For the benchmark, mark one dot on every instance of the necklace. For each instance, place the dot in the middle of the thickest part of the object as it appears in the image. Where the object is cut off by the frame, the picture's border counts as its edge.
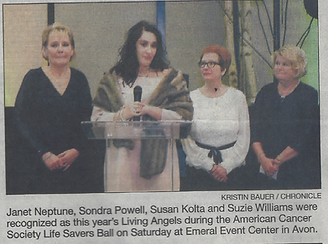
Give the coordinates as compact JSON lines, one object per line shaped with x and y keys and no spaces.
{"x":283,"y":91}
{"x":215,"y":92}
{"x":144,"y":74}
{"x":59,"y":84}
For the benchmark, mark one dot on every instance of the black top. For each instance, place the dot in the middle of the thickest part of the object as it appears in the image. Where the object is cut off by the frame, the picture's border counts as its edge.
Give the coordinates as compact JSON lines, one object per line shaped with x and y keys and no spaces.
{"x":279,"y":122}
{"x":48,"y":120}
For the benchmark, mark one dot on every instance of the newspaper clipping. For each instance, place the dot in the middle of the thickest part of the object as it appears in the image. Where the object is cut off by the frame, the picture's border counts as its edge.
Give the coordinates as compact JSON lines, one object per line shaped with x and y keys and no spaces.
{"x":164,"y":122}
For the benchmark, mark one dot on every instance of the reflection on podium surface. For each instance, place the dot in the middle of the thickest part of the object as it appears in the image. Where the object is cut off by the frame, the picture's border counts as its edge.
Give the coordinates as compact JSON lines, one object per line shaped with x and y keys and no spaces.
{"x":136,"y":129}
{"x":140,"y":155}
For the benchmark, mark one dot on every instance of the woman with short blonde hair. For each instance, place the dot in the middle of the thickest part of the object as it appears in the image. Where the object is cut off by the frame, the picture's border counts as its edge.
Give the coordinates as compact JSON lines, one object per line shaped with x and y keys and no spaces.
{"x":285,"y":124}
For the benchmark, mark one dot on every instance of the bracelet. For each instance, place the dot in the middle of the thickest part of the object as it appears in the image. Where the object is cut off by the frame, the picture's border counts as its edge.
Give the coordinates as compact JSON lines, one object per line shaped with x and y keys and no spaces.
{"x":47,"y":156}
{"x":122,"y":115}
{"x":258,"y":155}
{"x":119,"y":115}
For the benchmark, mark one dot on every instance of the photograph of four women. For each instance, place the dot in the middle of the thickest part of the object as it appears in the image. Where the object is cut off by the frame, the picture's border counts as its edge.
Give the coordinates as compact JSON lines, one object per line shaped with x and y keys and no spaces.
{"x":271,"y":144}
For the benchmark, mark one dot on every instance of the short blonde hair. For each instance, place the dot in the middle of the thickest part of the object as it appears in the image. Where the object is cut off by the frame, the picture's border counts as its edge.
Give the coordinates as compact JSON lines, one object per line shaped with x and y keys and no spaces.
{"x":56,"y":27}
{"x":296,"y":57}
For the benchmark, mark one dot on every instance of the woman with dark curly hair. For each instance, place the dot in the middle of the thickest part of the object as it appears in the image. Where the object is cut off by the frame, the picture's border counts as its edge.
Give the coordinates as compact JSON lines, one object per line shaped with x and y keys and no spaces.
{"x":135,"y":165}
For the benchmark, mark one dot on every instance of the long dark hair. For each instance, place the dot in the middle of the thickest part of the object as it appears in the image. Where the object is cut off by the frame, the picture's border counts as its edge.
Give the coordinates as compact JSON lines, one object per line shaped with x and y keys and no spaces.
{"x":128,"y":65}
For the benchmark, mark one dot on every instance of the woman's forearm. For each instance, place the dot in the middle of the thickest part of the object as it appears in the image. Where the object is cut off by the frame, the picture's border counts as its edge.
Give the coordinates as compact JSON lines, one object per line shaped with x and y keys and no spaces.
{"x":257,"y":147}
{"x":152,"y":111}
{"x":287,"y":154}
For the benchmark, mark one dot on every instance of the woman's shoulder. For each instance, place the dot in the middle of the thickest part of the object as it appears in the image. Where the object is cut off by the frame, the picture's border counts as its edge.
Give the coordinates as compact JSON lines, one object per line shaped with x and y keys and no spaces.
{"x":306,"y":93}
{"x":270,"y":86}
{"x":33,"y":75}
{"x":33,"y":78}
{"x":109,"y":80}
{"x":34,"y":71}
{"x":195,"y":93}
{"x":78,"y":77}
{"x":76,"y":72}
{"x":235,"y":92}
{"x":269,"y":89}
{"x":307,"y":88}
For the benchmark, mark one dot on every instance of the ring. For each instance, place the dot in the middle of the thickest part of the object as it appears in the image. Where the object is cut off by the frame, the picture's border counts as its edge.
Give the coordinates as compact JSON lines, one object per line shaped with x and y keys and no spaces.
{"x":64,"y":163}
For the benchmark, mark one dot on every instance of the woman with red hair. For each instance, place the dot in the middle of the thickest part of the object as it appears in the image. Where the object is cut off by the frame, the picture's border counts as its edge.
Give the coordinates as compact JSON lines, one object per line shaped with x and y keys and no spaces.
{"x":220,"y":134}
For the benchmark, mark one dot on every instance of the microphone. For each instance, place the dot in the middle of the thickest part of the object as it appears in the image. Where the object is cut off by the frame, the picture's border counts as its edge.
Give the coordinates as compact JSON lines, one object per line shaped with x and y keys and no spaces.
{"x":137,"y":92}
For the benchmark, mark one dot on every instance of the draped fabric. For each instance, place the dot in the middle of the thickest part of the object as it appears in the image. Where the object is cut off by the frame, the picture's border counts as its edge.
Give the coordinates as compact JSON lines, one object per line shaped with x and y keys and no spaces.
{"x":170,"y":94}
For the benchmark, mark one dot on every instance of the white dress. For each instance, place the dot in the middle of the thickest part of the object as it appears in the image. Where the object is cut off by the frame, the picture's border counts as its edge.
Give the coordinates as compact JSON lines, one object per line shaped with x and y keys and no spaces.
{"x":122,"y":165}
{"x":217,"y":122}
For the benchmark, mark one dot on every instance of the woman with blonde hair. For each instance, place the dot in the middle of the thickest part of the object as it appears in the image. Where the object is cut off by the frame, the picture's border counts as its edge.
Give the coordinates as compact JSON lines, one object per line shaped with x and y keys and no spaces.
{"x":286,"y":122}
{"x":50,"y":105}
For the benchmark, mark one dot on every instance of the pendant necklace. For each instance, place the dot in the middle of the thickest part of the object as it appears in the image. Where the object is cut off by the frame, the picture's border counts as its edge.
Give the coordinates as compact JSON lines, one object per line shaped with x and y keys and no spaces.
{"x":287,"y":91}
{"x":59,"y":84}
{"x":146,"y":74}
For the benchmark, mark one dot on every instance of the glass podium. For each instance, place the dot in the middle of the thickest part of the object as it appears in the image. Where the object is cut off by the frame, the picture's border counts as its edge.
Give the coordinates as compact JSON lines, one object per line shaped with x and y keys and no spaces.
{"x":151,"y":143}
